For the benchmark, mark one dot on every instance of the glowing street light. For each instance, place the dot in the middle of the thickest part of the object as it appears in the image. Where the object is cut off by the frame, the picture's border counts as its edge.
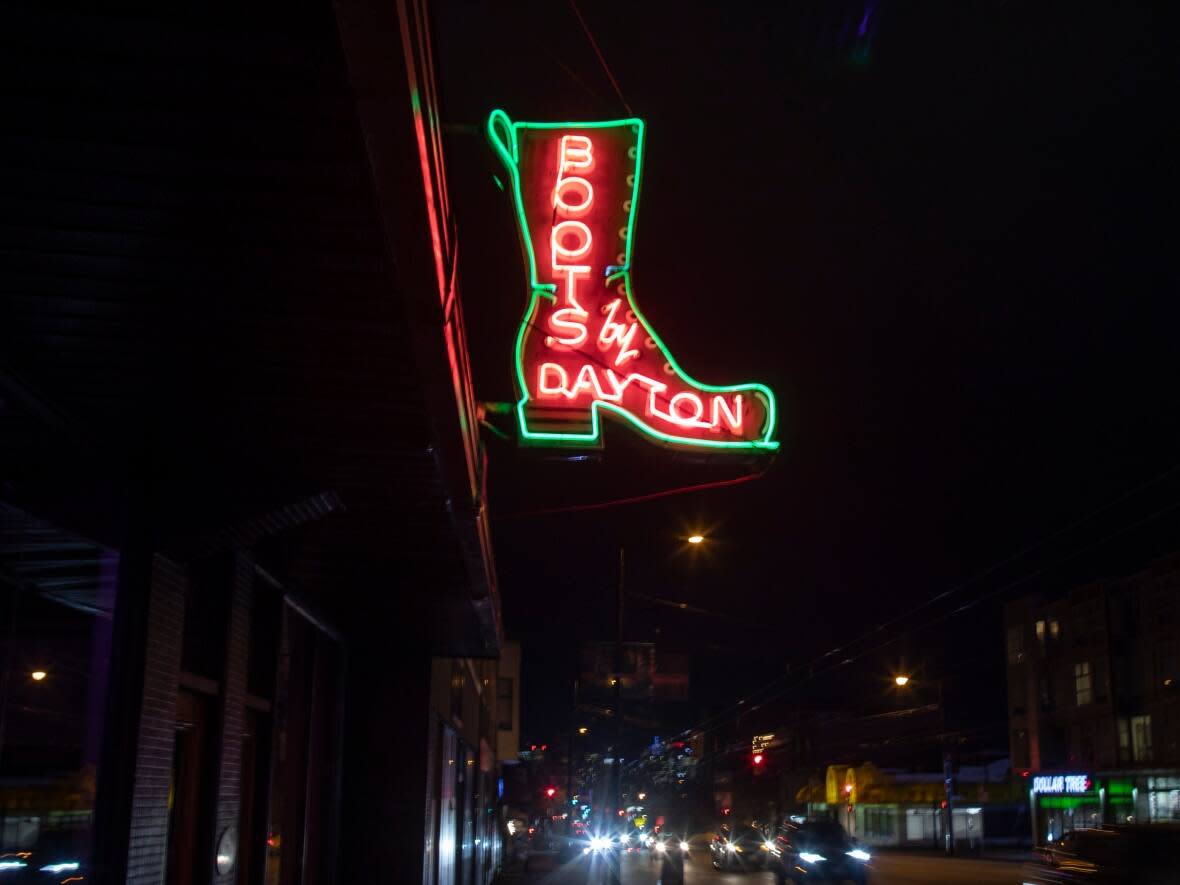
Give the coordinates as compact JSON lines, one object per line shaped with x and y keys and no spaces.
{"x":901,"y":680}
{"x":583,"y":729}
{"x":695,"y":539}
{"x":38,"y":675}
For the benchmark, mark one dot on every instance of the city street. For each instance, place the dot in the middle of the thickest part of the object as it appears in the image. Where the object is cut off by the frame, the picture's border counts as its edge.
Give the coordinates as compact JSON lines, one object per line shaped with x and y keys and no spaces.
{"x":890,"y":869}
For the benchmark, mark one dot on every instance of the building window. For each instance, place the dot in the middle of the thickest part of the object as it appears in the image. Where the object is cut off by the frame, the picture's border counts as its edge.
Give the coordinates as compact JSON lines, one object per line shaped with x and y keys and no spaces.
{"x":1041,"y":634}
{"x":1141,"y":738}
{"x":1054,"y":630}
{"x":504,"y":703}
{"x":1015,"y":645}
{"x":1083,"y":682}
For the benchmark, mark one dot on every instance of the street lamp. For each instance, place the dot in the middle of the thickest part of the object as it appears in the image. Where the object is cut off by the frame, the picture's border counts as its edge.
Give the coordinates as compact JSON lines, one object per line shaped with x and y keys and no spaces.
{"x":695,"y":539}
{"x":901,"y":681}
{"x":38,"y":675}
{"x":582,"y":729}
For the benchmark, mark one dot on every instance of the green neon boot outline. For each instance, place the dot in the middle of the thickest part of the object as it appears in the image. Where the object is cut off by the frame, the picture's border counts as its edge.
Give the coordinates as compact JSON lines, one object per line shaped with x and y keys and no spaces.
{"x":502,"y":134}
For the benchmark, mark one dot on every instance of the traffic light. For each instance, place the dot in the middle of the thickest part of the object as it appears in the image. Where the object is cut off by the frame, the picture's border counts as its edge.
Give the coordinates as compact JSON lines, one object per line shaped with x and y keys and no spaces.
{"x":758,"y":759}
{"x":758,"y":763}
{"x":551,"y":792}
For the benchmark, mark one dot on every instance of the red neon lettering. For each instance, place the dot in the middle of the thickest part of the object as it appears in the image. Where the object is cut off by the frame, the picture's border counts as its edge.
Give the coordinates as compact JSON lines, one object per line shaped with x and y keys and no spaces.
{"x":545,"y":386}
{"x":570,"y":320}
{"x":732,"y":417}
{"x":559,"y":240}
{"x":685,"y":408}
{"x":695,"y":404}
{"x":577,"y":152}
{"x":618,"y":334}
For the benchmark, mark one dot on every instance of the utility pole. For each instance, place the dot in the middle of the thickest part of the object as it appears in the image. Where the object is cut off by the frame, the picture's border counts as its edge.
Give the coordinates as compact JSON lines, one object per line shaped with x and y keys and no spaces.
{"x":569,"y":765}
{"x":948,"y":779}
{"x":617,"y":792}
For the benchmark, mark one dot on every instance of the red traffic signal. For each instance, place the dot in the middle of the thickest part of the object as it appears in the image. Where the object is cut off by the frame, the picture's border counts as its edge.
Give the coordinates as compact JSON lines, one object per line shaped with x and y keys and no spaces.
{"x":551,"y":792}
{"x":758,"y":759}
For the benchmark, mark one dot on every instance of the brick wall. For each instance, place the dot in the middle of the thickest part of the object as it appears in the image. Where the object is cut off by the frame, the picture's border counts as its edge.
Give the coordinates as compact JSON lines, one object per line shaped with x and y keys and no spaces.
{"x":233,"y":696}
{"x":147,"y":849}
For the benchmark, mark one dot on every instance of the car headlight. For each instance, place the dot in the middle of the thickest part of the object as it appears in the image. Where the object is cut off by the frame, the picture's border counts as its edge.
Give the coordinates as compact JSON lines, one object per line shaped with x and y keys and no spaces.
{"x":598,"y":843}
{"x":808,"y":857}
{"x":767,"y":845}
{"x":661,"y":847}
{"x":858,"y":854}
{"x":730,"y":847}
{"x":684,"y":846}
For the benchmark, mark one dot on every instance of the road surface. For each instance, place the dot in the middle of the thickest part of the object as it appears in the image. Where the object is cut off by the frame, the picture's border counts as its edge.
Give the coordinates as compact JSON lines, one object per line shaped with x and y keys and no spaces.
{"x":888,"y":869}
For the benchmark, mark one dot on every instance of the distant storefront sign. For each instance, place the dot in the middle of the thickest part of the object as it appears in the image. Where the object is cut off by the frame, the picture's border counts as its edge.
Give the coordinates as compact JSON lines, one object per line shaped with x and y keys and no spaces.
{"x":1059,"y":784}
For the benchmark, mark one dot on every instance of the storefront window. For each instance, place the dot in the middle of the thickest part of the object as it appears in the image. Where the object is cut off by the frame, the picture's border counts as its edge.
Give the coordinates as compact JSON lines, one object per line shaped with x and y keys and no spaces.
{"x":57,"y":599}
{"x":880,"y":823}
{"x":1163,"y":799}
{"x":1059,"y":815}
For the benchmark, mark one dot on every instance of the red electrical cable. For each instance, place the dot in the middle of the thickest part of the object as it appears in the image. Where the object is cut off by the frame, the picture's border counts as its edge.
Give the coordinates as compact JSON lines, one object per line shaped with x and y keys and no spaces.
{"x":637,"y":499}
{"x":601,"y":58}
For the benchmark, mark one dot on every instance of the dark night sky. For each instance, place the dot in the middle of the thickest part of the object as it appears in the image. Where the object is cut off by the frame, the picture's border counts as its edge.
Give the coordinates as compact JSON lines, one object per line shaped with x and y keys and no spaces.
{"x":942,"y":232}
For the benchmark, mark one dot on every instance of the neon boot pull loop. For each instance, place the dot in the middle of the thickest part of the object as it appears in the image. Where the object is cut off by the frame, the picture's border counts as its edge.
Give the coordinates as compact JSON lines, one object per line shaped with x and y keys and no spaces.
{"x":584,"y":348}
{"x":505,"y":143}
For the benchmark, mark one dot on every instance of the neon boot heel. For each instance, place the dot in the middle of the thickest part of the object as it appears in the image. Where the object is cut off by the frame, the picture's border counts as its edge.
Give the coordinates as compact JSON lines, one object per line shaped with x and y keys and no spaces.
{"x":584,"y":349}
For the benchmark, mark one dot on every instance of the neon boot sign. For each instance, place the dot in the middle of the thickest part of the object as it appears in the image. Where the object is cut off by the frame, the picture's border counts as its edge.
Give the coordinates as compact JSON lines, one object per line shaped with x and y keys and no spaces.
{"x":584,"y":348}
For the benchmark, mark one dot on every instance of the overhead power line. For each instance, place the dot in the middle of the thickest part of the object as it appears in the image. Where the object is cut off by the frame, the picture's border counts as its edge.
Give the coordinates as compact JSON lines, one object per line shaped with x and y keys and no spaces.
{"x":745,"y":706}
{"x":601,"y":59}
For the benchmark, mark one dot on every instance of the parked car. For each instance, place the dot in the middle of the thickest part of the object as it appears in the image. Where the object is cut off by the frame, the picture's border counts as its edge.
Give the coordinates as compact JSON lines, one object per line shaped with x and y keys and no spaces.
{"x":1110,"y":855}
{"x":818,"y":851}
